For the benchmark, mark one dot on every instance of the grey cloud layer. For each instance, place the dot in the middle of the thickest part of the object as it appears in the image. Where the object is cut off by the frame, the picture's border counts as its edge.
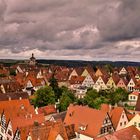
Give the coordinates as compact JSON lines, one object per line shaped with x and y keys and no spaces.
{"x":87,"y":27}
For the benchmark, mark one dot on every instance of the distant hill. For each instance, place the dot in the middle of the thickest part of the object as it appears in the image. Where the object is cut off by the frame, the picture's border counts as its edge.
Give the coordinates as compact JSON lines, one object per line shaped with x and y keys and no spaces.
{"x":74,"y":63}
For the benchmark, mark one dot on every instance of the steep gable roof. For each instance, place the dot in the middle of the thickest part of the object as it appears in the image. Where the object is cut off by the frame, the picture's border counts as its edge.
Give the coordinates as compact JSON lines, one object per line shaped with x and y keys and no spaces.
{"x":20,"y":113}
{"x":46,"y":110}
{"x":76,"y":79}
{"x":115,"y":115}
{"x":90,"y":118}
{"x":13,"y":96}
{"x":45,"y":131}
{"x":124,"y":81}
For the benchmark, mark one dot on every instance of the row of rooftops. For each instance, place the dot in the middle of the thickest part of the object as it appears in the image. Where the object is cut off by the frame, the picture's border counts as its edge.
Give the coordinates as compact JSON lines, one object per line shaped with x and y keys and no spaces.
{"x":39,"y":76}
{"x":24,"y":118}
{"x":91,"y":121}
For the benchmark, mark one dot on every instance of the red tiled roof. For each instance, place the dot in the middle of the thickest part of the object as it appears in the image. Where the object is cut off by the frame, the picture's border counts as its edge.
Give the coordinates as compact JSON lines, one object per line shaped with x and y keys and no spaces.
{"x":90,"y":118}
{"x":129,"y":133}
{"x":20,"y":112}
{"x":115,"y":115}
{"x":62,"y":76}
{"x":135,"y":93}
{"x":45,"y":131}
{"x":46,"y":110}
{"x":76,"y":79}
{"x":115,"y":78}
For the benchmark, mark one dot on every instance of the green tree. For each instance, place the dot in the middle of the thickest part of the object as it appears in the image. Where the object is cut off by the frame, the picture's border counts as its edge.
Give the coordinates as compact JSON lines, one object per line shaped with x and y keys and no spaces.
{"x":98,"y":101}
{"x":13,"y":72}
{"x":80,"y":101}
{"x":44,"y":96}
{"x":109,"y":68}
{"x":90,"y":96}
{"x":94,"y":99}
{"x":118,"y":95}
{"x":66,"y":98}
{"x":2,"y":75}
{"x":54,"y":84}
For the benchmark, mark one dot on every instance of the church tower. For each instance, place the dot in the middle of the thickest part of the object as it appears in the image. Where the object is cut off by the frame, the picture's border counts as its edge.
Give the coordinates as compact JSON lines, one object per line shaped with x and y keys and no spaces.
{"x":32,"y":60}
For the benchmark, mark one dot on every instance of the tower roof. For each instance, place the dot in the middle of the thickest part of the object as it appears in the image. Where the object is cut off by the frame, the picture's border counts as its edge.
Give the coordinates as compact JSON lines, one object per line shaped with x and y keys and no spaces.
{"x":32,"y":58}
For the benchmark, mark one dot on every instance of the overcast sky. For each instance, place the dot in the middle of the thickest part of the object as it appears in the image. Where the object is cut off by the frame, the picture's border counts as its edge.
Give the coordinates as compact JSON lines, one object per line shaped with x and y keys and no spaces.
{"x":70,"y":29}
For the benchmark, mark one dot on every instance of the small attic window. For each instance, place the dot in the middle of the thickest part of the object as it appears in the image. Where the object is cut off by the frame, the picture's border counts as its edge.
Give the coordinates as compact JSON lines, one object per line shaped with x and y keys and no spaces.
{"x":83,"y":127}
{"x":71,"y":114}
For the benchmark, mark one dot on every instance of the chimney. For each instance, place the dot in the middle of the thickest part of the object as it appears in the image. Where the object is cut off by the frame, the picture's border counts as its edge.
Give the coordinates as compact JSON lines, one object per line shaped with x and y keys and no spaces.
{"x":110,"y":108}
{"x":9,"y":98}
{"x":31,"y":116}
{"x":22,"y":106}
{"x":36,"y":110}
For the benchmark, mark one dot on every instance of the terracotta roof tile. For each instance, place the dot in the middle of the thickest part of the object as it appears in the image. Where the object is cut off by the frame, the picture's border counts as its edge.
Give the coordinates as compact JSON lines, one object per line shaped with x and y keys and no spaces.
{"x":83,"y":116}
{"x":77,"y":79}
{"x":135,"y":93}
{"x":46,"y":110}
{"x":45,"y":131}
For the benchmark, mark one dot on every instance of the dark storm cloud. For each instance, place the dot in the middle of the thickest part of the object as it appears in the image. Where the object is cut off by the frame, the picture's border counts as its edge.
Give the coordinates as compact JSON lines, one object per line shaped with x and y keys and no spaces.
{"x":91,"y":28}
{"x":125,"y":23}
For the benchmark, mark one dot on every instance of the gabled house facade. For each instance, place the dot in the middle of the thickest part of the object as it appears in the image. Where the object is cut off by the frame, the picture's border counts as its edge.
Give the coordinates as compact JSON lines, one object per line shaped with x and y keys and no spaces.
{"x":73,"y":73}
{"x":122,"y":83}
{"x":119,"y":118}
{"x":85,"y":72}
{"x":111,"y":83}
{"x":123,"y":71}
{"x":135,"y":121}
{"x":98,"y":73}
{"x":100,"y":83}
{"x":133,"y":97}
{"x":88,"y":81}
{"x":131,"y":84}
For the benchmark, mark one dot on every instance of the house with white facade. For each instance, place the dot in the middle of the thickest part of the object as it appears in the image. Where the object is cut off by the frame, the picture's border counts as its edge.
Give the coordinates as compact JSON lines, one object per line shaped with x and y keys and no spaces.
{"x":88,"y":81}
{"x":123,"y":71}
{"x":131,"y":84}
{"x":100,"y":83}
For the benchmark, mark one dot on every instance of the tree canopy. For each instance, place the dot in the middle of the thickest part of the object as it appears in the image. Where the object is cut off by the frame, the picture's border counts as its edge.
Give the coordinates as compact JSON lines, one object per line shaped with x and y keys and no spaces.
{"x":44,"y":96}
{"x":66,"y":98}
{"x":94,"y":99}
{"x":55,"y":87}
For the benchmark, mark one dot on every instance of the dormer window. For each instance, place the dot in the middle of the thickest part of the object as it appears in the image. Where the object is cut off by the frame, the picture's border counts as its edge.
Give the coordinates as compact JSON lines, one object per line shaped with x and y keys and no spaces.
{"x":10,"y":132}
{"x":83,"y":127}
{"x":71,"y":114}
{"x":22,"y":106}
